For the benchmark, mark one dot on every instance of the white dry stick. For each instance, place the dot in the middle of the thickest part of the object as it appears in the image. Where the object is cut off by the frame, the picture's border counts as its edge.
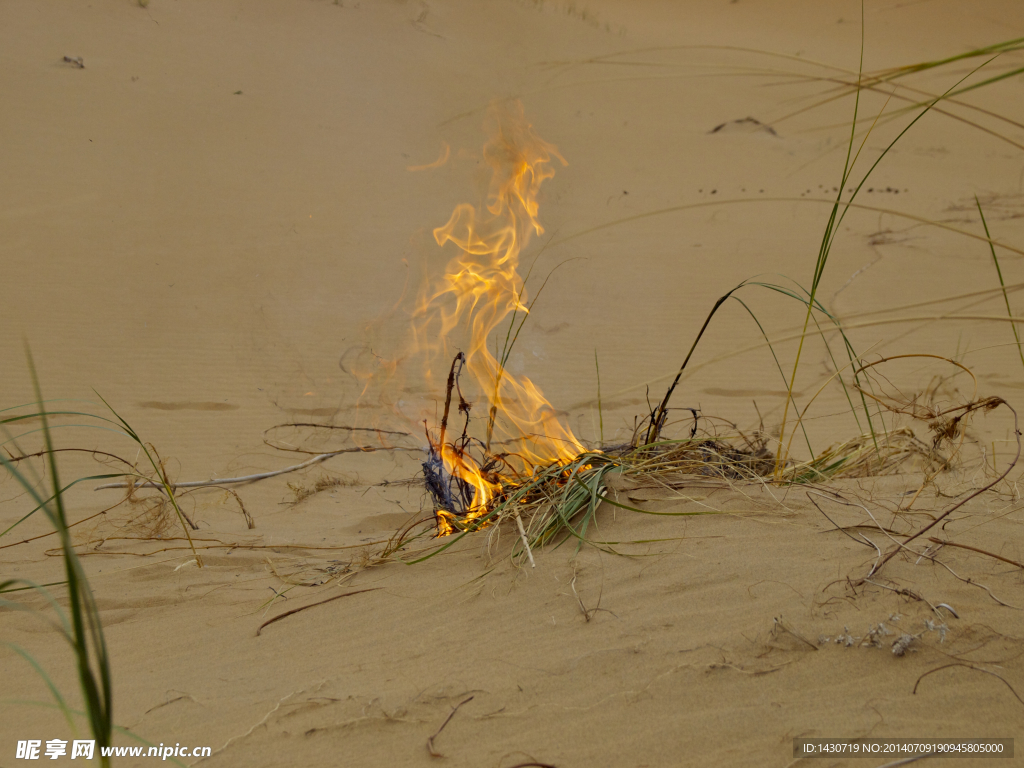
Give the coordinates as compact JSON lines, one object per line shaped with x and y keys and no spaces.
{"x":526,"y":544}
{"x":261,"y":722}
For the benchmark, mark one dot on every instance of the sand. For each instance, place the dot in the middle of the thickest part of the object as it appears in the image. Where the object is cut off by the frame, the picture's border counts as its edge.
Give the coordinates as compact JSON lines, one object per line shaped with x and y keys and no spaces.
{"x":228,"y":198}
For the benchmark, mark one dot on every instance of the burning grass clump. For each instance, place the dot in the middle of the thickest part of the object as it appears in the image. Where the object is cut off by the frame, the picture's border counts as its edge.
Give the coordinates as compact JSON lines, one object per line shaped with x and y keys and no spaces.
{"x":472,"y":488}
{"x":557,"y":501}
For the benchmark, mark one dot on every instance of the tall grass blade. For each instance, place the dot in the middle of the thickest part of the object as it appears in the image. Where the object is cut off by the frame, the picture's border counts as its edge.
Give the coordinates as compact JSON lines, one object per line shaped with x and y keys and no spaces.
{"x":54,"y":690}
{"x":832,"y":228}
{"x":86,"y":635}
{"x":999,"y":272}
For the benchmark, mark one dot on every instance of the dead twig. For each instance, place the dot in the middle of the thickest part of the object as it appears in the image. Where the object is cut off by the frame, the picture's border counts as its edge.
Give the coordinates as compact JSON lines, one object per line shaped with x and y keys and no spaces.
{"x":280,"y":445}
{"x":945,"y":543}
{"x":72,"y":525}
{"x":15,"y":459}
{"x":907,"y":593}
{"x":460,"y":360}
{"x":58,"y":552}
{"x":430,"y":741}
{"x":839,"y":499}
{"x":968,"y":666}
{"x":313,"y":605}
{"x":583,"y":608}
{"x":588,"y":613}
{"x":659,"y":414}
{"x":371,"y":430}
{"x":248,"y":478}
{"x":973,"y":583}
{"x":839,"y":527}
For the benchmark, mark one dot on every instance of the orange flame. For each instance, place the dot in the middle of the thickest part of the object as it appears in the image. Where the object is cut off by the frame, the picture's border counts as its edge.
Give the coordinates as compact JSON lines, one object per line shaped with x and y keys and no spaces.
{"x":480,"y":288}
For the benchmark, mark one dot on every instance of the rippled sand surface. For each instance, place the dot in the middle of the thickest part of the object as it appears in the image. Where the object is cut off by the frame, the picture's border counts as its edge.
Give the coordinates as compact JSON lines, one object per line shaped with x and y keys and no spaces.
{"x":230,"y":204}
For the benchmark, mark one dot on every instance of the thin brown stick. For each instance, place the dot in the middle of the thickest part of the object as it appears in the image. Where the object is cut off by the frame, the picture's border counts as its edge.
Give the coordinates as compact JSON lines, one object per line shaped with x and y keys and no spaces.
{"x":247,"y":478}
{"x":837,"y":526}
{"x":976,"y":549}
{"x":839,"y":499}
{"x":430,"y":741}
{"x":51,"y":533}
{"x":374,"y":430}
{"x":461,"y":357}
{"x":972,"y":582}
{"x":15,"y":459}
{"x":906,"y":593}
{"x":313,"y":605}
{"x":968,"y":666}
{"x":59,"y":551}
{"x":281,"y":446}
{"x":660,"y":413}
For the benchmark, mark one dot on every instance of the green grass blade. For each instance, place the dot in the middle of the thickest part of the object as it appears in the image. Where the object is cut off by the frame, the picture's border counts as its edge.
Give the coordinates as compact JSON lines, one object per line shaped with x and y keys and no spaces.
{"x":999,"y":272}
{"x":775,"y":357}
{"x":42,"y":504}
{"x":89,"y":644}
{"x":54,"y":690}
{"x":600,"y":413}
{"x":161,"y":475}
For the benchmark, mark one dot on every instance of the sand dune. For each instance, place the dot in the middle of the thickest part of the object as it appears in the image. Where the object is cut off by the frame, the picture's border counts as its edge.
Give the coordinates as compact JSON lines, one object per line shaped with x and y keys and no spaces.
{"x":223,"y":213}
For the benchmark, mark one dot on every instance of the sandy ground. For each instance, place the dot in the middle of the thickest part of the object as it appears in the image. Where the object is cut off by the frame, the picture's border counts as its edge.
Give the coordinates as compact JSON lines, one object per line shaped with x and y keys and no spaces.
{"x":201,"y":223}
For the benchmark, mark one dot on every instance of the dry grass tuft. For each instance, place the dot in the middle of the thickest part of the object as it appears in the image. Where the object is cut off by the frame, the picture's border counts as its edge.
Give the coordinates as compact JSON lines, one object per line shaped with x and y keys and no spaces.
{"x":302,"y":492}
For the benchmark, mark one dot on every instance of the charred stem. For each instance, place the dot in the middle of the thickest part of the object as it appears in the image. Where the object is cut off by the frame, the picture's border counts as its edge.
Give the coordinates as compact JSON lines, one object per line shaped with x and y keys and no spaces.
{"x":660,"y":414}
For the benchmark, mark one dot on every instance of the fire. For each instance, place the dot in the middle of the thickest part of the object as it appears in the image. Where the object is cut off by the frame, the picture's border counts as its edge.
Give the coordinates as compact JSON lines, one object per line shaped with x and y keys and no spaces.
{"x":474,"y":298}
